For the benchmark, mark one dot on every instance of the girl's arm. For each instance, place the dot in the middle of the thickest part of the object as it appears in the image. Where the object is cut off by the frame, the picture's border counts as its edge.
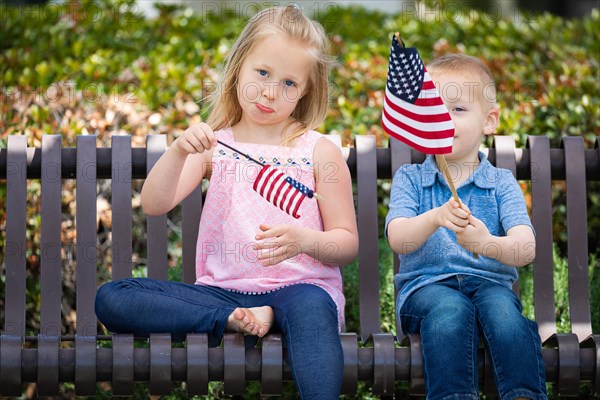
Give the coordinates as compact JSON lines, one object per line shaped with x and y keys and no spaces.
{"x":179,"y":170}
{"x":337,"y":244}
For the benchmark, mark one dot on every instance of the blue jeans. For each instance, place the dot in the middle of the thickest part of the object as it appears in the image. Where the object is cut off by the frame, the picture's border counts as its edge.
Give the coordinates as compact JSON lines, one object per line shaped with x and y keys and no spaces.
{"x":451,"y":314}
{"x":305,"y":314}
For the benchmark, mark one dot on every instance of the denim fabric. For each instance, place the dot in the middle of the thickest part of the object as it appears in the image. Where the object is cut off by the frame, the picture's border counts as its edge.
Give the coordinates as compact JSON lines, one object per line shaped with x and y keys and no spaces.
{"x":304,"y":313}
{"x":451,"y":315}
{"x":492,"y":194}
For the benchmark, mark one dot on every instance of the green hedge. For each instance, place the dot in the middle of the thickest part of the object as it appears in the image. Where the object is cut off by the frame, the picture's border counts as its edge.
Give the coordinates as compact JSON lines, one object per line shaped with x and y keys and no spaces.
{"x":102,"y":68}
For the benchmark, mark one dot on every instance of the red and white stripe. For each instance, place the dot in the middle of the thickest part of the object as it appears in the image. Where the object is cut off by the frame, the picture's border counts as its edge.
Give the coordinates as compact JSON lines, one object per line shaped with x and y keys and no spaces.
{"x":272,"y":185}
{"x":425,"y":125}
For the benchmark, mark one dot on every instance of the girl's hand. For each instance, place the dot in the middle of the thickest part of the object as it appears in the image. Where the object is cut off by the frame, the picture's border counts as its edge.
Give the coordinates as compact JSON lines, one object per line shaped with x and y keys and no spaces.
{"x":474,"y":235}
{"x":453,"y":216}
{"x":278,"y":243}
{"x":196,"y":139}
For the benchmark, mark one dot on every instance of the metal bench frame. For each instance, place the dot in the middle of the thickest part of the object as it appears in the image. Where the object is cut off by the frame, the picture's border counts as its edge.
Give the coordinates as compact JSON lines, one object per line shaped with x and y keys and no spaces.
{"x":369,"y":355}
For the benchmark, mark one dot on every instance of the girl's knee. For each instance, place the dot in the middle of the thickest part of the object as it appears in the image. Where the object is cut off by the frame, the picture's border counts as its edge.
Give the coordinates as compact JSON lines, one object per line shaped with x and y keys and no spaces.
{"x":315,"y":306}
{"x":109,"y":292}
{"x":103,"y":294}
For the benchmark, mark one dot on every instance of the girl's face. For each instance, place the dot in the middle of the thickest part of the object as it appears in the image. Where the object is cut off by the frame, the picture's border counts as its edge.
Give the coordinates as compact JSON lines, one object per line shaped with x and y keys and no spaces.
{"x":272,"y":80}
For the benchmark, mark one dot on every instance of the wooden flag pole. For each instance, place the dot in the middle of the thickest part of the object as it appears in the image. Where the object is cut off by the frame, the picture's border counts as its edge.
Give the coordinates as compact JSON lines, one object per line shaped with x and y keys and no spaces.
{"x":442,"y":160}
{"x":315,"y":194}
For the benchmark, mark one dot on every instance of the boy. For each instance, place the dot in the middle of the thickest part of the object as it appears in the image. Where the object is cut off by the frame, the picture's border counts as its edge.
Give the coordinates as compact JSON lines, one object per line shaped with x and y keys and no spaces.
{"x":445,"y":293}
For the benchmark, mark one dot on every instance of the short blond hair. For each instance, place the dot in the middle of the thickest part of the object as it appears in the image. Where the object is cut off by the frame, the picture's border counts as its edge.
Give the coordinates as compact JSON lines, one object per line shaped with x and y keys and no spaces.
{"x":292,"y":24}
{"x":468,"y":65}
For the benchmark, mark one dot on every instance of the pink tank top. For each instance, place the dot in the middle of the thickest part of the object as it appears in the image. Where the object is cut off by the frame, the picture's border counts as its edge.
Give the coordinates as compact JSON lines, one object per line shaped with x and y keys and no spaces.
{"x":233,"y":212}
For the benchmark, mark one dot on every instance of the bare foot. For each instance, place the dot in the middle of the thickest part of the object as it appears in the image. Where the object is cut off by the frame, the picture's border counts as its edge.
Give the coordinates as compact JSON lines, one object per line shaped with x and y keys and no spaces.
{"x":251,"y":321}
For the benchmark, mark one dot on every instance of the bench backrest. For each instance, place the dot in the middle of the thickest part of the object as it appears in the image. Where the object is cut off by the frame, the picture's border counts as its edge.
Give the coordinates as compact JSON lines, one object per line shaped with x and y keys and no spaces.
{"x":122,"y":164}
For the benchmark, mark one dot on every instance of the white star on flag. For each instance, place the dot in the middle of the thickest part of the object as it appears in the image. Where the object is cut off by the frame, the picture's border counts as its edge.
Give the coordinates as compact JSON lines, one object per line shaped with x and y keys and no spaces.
{"x":415,"y":114}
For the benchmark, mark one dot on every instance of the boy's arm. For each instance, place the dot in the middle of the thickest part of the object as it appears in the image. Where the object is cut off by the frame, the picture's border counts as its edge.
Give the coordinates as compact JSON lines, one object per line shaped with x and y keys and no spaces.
{"x":406,"y":235}
{"x":516,"y":249}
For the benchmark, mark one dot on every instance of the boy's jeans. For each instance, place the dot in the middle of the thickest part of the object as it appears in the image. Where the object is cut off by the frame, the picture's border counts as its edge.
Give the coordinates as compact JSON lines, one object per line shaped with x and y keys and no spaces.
{"x":451,"y":314}
{"x":305,"y":314}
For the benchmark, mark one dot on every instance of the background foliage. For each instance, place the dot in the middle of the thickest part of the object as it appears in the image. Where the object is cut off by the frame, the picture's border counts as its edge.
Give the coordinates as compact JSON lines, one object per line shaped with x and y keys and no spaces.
{"x":102,"y":68}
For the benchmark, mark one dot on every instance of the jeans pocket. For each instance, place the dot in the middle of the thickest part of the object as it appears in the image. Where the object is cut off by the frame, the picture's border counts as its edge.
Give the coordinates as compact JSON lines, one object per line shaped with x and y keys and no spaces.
{"x":410,"y":323}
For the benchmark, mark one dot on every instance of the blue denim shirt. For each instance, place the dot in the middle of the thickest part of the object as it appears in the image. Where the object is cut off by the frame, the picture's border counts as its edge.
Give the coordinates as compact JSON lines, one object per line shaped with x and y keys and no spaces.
{"x":493,"y":196}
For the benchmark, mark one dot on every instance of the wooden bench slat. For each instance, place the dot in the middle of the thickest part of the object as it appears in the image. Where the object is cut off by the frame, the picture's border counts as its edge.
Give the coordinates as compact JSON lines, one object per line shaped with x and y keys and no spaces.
{"x":16,"y":217}
{"x":51,"y":274}
{"x":383,"y":364}
{"x":234,"y":370}
{"x":595,"y":339}
{"x":272,"y":365}
{"x":592,"y":163}
{"x":121,"y":207}
{"x":11,"y":341}
{"x":368,"y":259}
{"x":191,"y":212}
{"x":593,"y":343}
{"x":122,"y":364}
{"x":50,"y":242}
{"x":197,"y":364}
{"x":505,"y":153}
{"x":504,"y":147}
{"x":417,"y":370}
{"x":350,"y":349}
{"x":569,"y":364}
{"x":10,"y":372}
{"x":85,"y":220}
{"x":156,"y":225}
{"x":160,"y":363}
{"x":541,"y":216}
{"x":577,"y":238}
{"x":400,"y":154}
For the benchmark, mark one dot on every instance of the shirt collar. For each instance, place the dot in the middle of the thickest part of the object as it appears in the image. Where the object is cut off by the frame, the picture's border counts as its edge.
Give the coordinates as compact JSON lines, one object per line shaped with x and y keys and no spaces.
{"x":482,"y":177}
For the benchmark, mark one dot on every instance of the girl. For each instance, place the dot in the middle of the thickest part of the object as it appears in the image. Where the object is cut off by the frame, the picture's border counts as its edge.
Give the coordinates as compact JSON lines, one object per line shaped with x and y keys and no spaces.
{"x":257,"y":267}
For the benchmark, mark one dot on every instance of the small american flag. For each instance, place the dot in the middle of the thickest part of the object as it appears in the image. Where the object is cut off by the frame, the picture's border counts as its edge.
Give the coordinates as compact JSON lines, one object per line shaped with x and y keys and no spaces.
{"x":280,"y":190}
{"x":413,"y":111}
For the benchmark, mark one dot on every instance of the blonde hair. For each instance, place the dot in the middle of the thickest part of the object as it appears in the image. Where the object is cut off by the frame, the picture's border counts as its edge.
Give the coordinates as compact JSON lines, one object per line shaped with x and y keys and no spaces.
{"x":292,"y":24}
{"x":467,"y":65}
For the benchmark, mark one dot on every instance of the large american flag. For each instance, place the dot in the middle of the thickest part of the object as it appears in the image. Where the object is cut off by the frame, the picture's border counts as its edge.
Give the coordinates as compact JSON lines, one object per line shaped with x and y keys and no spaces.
{"x":413,"y":111}
{"x":281,"y":190}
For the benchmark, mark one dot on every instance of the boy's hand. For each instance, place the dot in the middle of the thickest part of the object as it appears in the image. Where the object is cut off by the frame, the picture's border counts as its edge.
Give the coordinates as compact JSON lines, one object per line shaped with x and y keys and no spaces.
{"x":278,"y":243}
{"x":196,"y":139}
{"x":474,"y":235}
{"x":453,"y":216}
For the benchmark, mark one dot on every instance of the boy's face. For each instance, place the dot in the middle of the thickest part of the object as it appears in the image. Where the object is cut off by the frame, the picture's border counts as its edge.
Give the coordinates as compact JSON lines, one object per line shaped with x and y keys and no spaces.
{"x":473,"y":115}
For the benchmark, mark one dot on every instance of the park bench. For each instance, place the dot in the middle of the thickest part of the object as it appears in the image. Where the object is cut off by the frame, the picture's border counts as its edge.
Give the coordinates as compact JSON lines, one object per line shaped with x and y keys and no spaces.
{"x":50,"y":355}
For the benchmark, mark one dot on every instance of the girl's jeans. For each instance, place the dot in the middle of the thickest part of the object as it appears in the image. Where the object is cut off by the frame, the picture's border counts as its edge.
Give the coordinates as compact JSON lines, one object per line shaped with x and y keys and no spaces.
{"x":304,"y":313}
{"x":451,"y":314}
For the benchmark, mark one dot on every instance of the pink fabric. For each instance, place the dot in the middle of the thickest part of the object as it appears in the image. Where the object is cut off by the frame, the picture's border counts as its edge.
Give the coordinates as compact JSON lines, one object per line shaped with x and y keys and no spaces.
{"x":233,"y":212}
